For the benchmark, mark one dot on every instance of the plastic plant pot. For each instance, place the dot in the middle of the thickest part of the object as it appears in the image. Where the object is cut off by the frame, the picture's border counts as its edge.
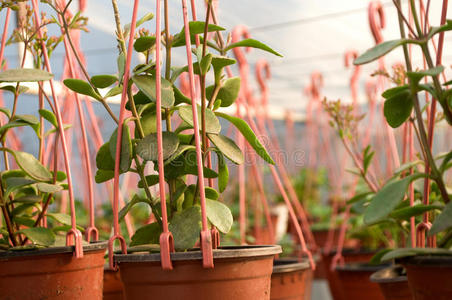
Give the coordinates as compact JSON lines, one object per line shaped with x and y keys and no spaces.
{"x":52,"y":273}
{"x":291,"y":279}
{"x":113,"y":289}
{"x":393,"y":283}
{"x":321,"y":238}
{"x":429,"y":277}
{"x":350,"y":255}
{"x":240,"y":273}
{"x":354,"y":279}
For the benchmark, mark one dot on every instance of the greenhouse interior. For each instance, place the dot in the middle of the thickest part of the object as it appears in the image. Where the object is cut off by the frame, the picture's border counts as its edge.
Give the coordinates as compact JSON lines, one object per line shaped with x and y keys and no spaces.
{"x":225,"y":149}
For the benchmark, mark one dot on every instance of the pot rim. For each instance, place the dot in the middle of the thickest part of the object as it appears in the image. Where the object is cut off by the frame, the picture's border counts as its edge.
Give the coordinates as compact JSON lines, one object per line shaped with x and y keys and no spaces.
{"x":430,"y":260}
{"x":196,"y":254}
{"x":287,"y":265}
{"x":360,"y":267}
{"x":389,"y":275}
{"x":92,"y":246}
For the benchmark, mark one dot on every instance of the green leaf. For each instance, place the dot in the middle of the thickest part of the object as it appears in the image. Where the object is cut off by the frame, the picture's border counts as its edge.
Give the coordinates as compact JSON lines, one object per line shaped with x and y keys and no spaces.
{"x":12,"y":89}
{"x":103,"y":81}
{"x":104,"y":175}
{"x":6,"y":111}
{"x":204,"y":64}
{"x":148,"y":122}
{"x":146,"y":84}
{"x":389,"y":93}
{"x":376,"y":259}
{"x":12,"y":124}
{"x":147,"y":147}
{"x":443,"y":221}
{"x":212,"y":122}
{"x":387,"y":199}
{"x":211,"y":193}
{"x":249,"y":135}
{"x":114,"y":91}
{"x":359,"y":197}
{"x":150,"y":179}
{"x":135,"y":200}
{"x":145,"y":18}
{"x":411,"y":211}
{"x":81,"y":87}
{"x":39,"y":235}
{"x":442,"y":28}
{"x":223,"y":173}
{"x":186,"y":227}
{"x":104,"y":159}
{"x":415,"y":77}
{"x":227,"y":147}
{"x":179,"y":97}
{"x":30,"y":165}
{"x":379,"y":51}
{"x":121,"y":65}
{"x":144,"y":43}
{"x":398,"y":108}
{"x":253,"y":44}
{"x":148,"y":234}
{"x":26,"y":221}
{"x":126,"y":148}
{"x":24,"y":75}
{"x":48,"y":188}
{"x":180,"y":150}
{"x":406,"y":252}
{"x":29,"y":119}
{"x":196,"y":27}
{"x":15,"y":183}
{"x":219,"y":215}
{"x":28,"y":199}
{"x":49,"y":116}
{"x":228,"y":93}
{"x":218,"y":63}
{"x":53,"y":130}
{"x":64,"y":219}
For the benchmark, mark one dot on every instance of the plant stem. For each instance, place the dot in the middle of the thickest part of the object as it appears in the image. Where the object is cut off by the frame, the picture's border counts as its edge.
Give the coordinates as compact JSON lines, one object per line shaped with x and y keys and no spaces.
{"x":122,"y":43}
{"x":422,"y":132}
{"x":203,"y":81}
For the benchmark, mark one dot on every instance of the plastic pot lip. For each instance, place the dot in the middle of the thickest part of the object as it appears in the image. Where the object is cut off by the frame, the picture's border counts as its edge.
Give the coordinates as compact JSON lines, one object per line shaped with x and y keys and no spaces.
{"x":427,"y":260}
{"x":196,"y":254}
{"x":360,"y":267}
{"x":391,"y":274}
{"x":286,"y":265}
{"x":93,"y":246}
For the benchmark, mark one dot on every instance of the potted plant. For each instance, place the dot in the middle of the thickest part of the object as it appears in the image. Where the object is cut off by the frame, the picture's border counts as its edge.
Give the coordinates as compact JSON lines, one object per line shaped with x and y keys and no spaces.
{"x":36,"y":259}
{"x":240,"y":272}
{"x":382,"y":235}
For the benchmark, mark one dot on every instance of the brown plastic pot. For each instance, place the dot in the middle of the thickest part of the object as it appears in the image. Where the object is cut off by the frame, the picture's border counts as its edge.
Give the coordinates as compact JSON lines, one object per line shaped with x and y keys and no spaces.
{"x":113,"y":289}
{"x":52,"y":273}
{"x":321,"y":237}
{"x":240,"y":273}
{"x":355,"y":281}
{"x":350,"y":255}
{"x":291,"y":279}
{"x":429,"y":277}
{"x":393,"y":283}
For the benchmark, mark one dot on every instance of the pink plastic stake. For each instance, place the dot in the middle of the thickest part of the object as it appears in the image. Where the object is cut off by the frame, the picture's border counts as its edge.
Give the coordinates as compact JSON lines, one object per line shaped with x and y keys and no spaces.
{"x":76,"y":235}
{"x":166,"y":238}
{"x":4,"y":35}
{"x":237,"y":33}
{"x":206,"y":237}
{"x":261,"y":66}
{"x":425,"y":225}
{"x":91,"y":232}
{"x":290,"y":129}
{"x":280,"y":187}
{"x":116,"y":234}
{"x":376,"y":25}
{"x":349,"y":56}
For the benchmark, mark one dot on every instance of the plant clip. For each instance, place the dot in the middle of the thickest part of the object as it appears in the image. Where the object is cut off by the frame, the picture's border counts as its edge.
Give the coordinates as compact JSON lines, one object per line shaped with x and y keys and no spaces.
{"x":421,"y":231}
{"x":166,"y":247}
{"x":338,"y":259}
{"x":74,"y":238}
{"x":111,"y":259}
{"x":91,"y":234}
{"x":206,"y":248}
{"x":215,"y":237}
